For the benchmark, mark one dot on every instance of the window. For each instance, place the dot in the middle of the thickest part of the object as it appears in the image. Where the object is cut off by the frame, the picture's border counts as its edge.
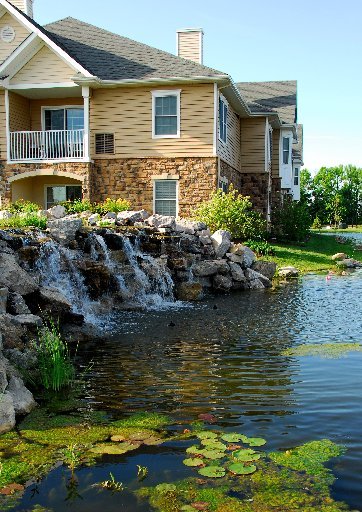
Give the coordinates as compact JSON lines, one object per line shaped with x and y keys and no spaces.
{"x":224,"y":185}
{"x":166,"y":114}
{"x":296,"y":176}
{"x":223,"y":120}
{"x":71,"y":118}
{"x":56,"y":194}
{"x":104,"y":143}
{"x":286,"y":145}
{"x":165,"y":197}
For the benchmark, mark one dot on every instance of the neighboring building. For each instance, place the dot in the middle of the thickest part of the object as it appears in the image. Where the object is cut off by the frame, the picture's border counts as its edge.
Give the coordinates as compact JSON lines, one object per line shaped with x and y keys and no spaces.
{"x":88,"y":113}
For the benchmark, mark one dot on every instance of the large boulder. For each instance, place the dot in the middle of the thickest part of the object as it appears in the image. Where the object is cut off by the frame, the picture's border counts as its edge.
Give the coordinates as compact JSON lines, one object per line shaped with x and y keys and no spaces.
{"x":221,"y":241}
{"x":255,"y":280}
{"x":205,"y":268}
{"x":7,"y":413}
{"x":23,"y":400}
{"x":28,"y":321}
{"x":288,"y":272}
{"x":64,"y":229}
{"x":16,"y":304}
{"x":50,"y":303}
{"x":189,"y":227}
{"x":5,"y":214}
{"x":93,"y":219}
{"x":56,"y":212}
{"x":161,"y":221}
{"x":3,"y":375}
{"x":237,"y":272}
{"x":349,"y":263}
{"x":3,"y":300}
{"x":339,"y":256}
{"x":266,"y":268}
{"x":12,"y":333}
{"x":189,"y":291}
{"x":246,"y":254}
{"x":222,"y":283}
{"x":13,"y":277}
{"x":130,"y":217}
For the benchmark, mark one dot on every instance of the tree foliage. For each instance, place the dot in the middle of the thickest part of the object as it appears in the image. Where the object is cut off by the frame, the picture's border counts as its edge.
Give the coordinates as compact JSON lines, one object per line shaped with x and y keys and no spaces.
{"x":334,"y":194}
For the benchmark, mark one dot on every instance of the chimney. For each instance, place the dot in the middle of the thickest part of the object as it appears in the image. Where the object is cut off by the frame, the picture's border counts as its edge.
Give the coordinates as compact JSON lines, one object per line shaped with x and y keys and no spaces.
{"x":24,"y":5}
{"x":190,"y":44}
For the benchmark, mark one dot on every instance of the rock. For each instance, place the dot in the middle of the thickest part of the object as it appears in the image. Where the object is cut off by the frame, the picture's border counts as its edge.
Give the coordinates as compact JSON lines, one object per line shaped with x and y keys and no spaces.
{"x":222,"y":267}
{"x":161,"y":221}
{"x":16,"y":304}
{"x":339,"y":256}
{"x":237,"y":272}
{"x":205,"y":232}
{"x":245,"y":252}
{"x":252,"y":275}
{"x":7,"y":413}
{"x":23,"y":401}
{"x":29,"y":254}
{"x":130,"y":217}
{"x":5,"y":214}
{"x":222,"y":283}
{"x":49,"y":302}
{"x":221,"y":241}
{"x":12,"y":332}
{"x":205,"y":268}
{"x":93,"y":219}
{"x":3,"y":376}
{"x":189,"y":291}
{"x":266,"y":268}
{"x":3,"y":300}
{"x":205,"y":240}
{"x":189,"y":226}
{"x":13,"y":277}
{"x":98,"y":279}
{"x":113,"y":241}
{"x":349,"y":263}
{"x":5,"y":248}
{"x":288,"y":272}
{"x":110,"y":216}
{"x":56,"y":212}
{"x":28,"y":320}
{"x":65,"y":229}
{"x":13,"y":241}
{"x":256,"y":284}
{"x":235,"y":258}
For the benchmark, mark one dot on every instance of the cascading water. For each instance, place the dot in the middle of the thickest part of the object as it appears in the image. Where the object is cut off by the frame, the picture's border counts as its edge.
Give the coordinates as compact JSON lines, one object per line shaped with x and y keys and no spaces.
{"x":142,"y":279}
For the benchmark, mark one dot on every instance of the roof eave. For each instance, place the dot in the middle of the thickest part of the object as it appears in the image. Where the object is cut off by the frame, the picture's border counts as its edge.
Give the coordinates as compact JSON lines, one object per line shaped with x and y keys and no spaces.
{"x":97,"y":82}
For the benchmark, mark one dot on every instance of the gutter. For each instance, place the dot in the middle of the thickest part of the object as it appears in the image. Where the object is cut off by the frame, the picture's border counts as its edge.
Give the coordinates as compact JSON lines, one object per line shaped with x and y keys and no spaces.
{"x":98,"y":82}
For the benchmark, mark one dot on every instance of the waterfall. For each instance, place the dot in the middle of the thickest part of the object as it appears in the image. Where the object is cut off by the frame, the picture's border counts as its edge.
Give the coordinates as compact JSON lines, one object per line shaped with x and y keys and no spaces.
{"x":143,"y":280}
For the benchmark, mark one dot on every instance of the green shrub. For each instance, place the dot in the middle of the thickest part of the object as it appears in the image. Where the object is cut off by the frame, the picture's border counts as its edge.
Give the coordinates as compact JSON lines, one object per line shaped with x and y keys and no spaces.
{"x":233,"y":212}
{"x":291,"y":221}
{"x":260,"y":247}
{"x":112,"y":205}
{"x":54,"y":364}
{"x":24,"y":220}
{"x":317,"y":223}
{"x":22,"y":206}
{"x":78,"y":206}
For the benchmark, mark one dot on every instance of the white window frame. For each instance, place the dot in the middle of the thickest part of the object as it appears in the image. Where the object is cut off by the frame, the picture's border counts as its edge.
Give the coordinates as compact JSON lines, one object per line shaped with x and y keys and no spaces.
{"x":49,"y":185}
{"x":296,"y":176}
{"x":284,"y":151}
{"x":59,"y":107}
{"x":225,"y":106}
{"x":154,"y":194}
{"x":163,"y":94}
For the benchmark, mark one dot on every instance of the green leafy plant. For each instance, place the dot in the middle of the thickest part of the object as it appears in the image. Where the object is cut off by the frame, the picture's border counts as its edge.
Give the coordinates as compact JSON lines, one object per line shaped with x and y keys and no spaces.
{"x":112,"y":484}
{"x":72,"y":456}
{"x":55,"y":367}
{"x":78,"y":206}
{"x":24,"y":220}
{"x":212,"y":471}
{"x":260,"y":247}
{"x":142,"y":472}
{"x":22,"y":206}
{"x":233,"y":212}
{"x":112,"y":205}
{"x":242,"y":469}
{"x":291,"y":221}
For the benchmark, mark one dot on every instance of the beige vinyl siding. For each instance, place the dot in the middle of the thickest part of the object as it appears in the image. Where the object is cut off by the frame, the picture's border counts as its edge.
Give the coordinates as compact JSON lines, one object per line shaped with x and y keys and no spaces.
{"x":127,"y":112}
{"x":44,"y":67}
{"x":21,"y":33}
{"x":189,"y":45}
{"x":24,"y":5}
{"x":2,"y":126}
{"x":36,"y":108}
{"x":19,"y":113}
{"x":275,"y":155}
{"x":253,"y":145}
{"x":231,"y":151}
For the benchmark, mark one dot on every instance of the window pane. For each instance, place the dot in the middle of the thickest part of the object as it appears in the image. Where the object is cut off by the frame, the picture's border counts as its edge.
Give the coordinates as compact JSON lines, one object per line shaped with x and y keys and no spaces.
{"x":166,"y":106}
{"x":75,"y":119}
{"x":166,"y":125}
{"x":56,"y":195}
{"x":54,"y":119}
{"x":286,"y":143}
{"x":165,"y":189}
{"x":165,"y":207}
{"x":74,"y":192}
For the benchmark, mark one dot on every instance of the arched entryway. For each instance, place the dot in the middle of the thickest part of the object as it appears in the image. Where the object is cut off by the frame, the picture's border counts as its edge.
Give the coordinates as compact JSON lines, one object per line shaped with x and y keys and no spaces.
{"x":45,"y":187}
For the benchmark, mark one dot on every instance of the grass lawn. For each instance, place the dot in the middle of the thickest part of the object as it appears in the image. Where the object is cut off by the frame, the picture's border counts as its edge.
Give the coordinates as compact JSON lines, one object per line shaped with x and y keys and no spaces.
{"x":356,"y":229}
{"x":314,"y":255}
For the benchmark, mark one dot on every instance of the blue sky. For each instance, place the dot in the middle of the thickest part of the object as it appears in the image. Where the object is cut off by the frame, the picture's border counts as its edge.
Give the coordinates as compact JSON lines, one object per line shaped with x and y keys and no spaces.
{"x":317,"y":42}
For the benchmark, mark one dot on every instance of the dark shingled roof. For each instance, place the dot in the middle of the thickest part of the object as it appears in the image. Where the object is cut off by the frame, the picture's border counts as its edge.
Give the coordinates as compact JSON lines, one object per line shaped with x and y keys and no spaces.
{"x":297,"y":150}
{"x":113,"y":57}
{"x":280,"y":97}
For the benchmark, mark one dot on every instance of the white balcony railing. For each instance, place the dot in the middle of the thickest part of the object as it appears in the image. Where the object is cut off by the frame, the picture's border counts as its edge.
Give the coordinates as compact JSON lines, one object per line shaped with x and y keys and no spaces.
{"x":47,"y":145}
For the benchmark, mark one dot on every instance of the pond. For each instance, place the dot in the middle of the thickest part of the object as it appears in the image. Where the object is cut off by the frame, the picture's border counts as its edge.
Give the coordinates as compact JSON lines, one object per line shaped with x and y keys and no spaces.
{"x":224,"y":357}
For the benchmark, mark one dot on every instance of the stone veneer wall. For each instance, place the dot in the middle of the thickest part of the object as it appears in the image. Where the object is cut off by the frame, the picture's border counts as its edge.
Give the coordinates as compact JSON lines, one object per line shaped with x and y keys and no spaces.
{"x":256,"y":186}
{"x":131,"y":179}
{"x":233,"y":176}
{"x":82,"y":169}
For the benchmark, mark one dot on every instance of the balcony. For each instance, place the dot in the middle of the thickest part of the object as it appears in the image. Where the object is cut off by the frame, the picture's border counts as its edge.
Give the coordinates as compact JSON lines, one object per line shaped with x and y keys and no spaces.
{"x":58,"y":145}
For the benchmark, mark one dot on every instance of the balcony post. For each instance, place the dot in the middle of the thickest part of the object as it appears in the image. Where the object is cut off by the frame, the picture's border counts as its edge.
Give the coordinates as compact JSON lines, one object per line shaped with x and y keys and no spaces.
{"x":86,"y":140}
{"x":7,"y":117}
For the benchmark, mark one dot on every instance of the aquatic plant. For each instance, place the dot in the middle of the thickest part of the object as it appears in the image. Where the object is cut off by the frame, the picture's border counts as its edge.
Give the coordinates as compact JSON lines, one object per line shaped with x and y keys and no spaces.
{"x":55,"y":368}
{"x":142,"y":472}
{"x":193,"y":462}
{"x":239,"y":468}
{"x":325,"y":350}
{"x":73,"y":456}
{"x":151,"y":420}
{"x":212,"y":471}
{"x":111,"y":484}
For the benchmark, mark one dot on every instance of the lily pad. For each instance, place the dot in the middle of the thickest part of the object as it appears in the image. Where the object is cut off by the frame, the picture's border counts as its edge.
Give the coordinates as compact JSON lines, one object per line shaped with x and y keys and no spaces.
{"x":232,"y":438}
{"x":212,"y":471}
{"x":256,"y":441}
{"x":194,"y":450}
{"x":114,"y":449}
{"x":246,"y":455}
{"x":153,"y":441}
{"x":212,"y":454}
{"x":193,"y":463}
{"x":206,"y":434}
{"x":118,"y":439}
{"x":211,"y":444}
{"x":241,"y":469}
{"x":165,"y":488}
